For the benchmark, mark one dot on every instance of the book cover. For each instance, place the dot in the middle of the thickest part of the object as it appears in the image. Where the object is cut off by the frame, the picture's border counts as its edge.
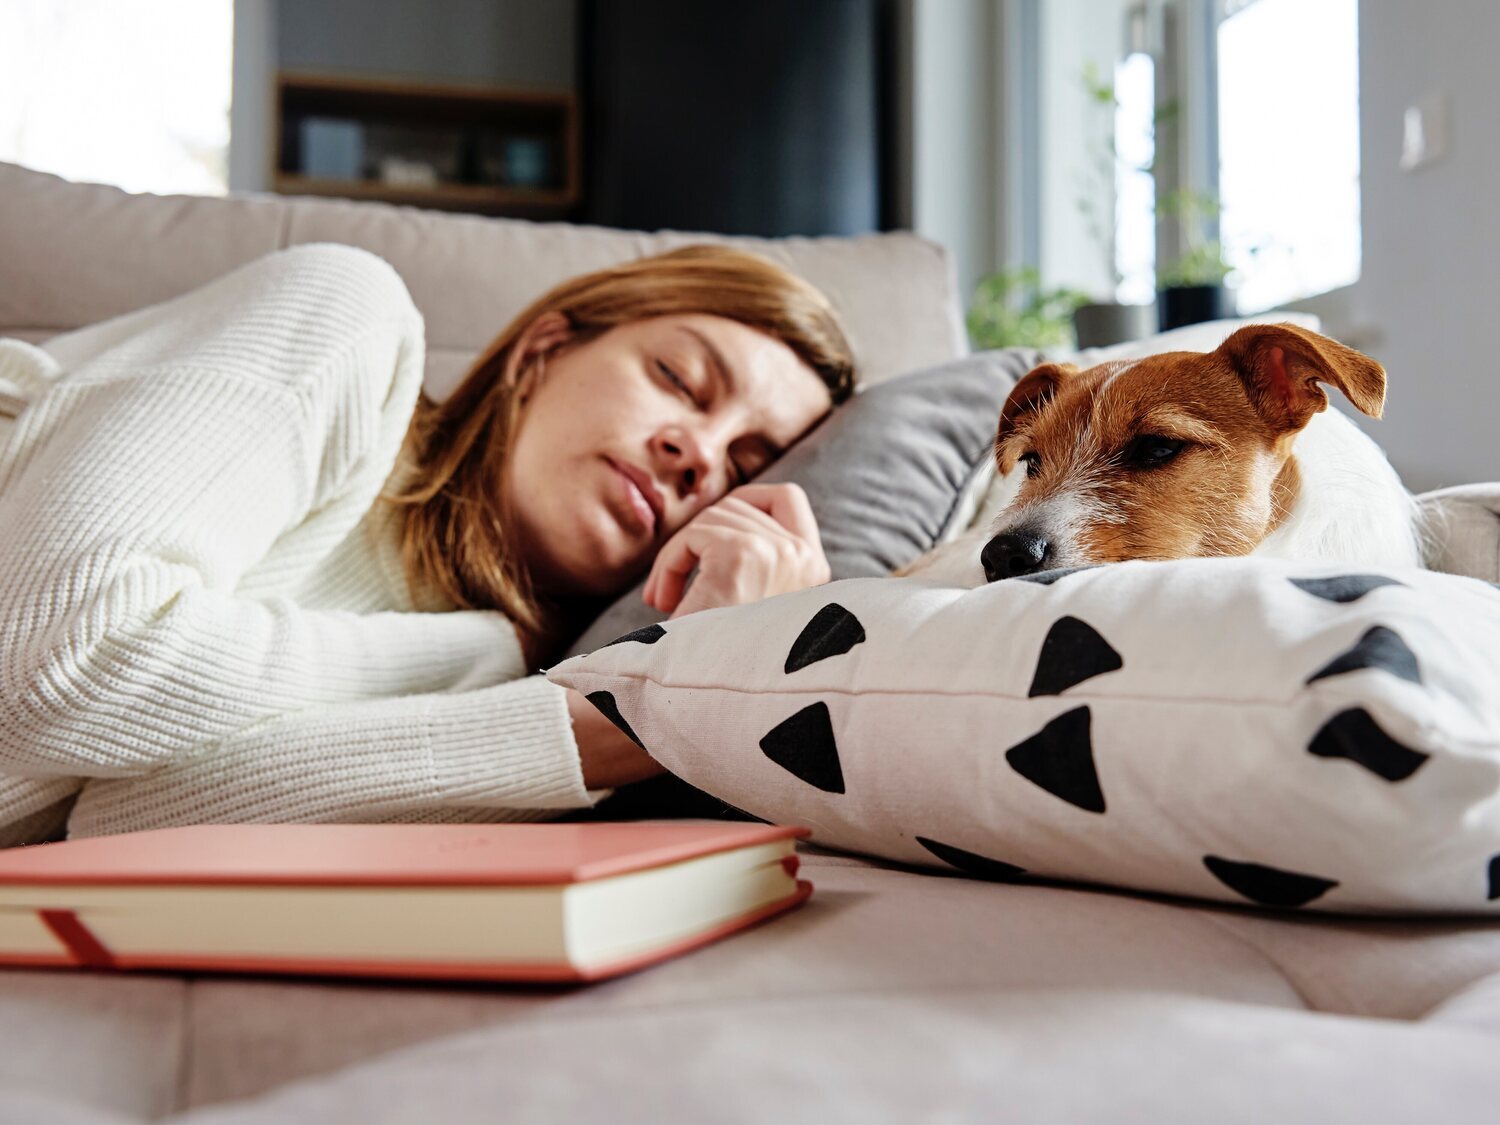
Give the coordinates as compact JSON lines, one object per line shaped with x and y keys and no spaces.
{"x":541,"y":902}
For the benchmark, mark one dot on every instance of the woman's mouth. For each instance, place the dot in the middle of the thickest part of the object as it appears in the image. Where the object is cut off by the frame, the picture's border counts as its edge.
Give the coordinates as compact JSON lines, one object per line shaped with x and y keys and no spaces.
{"x":642,"y":514}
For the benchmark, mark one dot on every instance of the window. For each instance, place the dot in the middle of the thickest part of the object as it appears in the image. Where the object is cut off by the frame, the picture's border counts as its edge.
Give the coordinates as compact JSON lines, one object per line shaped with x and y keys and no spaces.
{"x":1235,"y":143}
{"x":134,"y":94}
{"x":1288,"y":123}
{"x":1135,"y":188}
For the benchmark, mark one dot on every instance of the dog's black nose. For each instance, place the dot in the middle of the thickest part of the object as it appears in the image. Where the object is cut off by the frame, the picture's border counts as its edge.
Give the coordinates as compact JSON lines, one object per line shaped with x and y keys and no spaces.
{"x":1014,"y":553}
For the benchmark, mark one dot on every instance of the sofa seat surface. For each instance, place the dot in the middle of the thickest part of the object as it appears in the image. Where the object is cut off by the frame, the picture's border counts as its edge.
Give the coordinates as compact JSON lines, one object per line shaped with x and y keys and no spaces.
{"x":892,"y":995}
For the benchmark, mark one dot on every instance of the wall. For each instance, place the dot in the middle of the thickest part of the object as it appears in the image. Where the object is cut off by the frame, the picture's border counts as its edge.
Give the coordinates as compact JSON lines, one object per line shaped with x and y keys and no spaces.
{"x":761,"y":119}
{"x":972,"y":158}
{"x":493,"y":42}
{"x":252,"y":131}
{"x":954,"y":189}
{"x":1431,"y":274}
{"x":1072,"y":138}
{"x":485,"y":42}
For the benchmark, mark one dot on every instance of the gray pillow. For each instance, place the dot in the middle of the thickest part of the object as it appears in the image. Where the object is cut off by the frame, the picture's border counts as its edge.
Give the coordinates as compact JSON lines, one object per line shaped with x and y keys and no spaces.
{"x":883,"y":474}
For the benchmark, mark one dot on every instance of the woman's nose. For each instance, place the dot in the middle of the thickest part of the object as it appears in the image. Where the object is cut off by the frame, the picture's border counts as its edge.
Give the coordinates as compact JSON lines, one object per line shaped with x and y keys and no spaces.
{"x":685,"y":459}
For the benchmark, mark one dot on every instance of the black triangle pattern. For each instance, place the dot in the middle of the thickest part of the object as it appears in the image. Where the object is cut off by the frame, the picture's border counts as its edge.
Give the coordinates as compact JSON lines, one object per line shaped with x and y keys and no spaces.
{"x":972,"y":863}
{"x":1343,"y":587}
{"x":1269,"y":886}
{"x":1379,"y":648}
{"x":1354,"y":734}
{"x":1072,"y":652}
{"x":833,"y":631}
{"x":1060,"y":759}
{"x":646,"y":635}
{"x":804,"y":746}
{"x":605,"y":701}
{"x":1047,"y":577}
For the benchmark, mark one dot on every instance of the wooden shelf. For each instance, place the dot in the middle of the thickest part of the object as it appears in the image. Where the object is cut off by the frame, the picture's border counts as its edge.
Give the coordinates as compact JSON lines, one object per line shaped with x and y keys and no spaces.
{"x":466,"y":123}
{"x":449,"y":197}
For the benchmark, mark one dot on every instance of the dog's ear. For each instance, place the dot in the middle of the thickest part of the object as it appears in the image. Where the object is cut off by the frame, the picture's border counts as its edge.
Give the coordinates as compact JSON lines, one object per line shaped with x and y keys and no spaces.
{"x":1032,"y":392}
{"x":1281,"y":366}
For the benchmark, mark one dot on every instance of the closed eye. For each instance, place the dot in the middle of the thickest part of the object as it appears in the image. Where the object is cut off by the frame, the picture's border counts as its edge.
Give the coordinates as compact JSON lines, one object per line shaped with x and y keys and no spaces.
{"x":678,"y":383}
{"x":1033,"y":463}
{"x":751,"y":458}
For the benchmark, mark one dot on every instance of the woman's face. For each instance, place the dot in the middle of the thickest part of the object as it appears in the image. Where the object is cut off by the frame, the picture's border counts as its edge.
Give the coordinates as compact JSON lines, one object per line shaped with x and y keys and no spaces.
{"x":624,"y":438}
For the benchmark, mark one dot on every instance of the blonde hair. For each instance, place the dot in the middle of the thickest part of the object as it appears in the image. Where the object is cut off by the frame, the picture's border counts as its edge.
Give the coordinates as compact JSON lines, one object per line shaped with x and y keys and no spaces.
{"x":455,"y":527}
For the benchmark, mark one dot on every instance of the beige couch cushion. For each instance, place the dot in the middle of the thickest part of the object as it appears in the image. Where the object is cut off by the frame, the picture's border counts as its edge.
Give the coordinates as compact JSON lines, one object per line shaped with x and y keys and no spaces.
{"x":1462,"y":525}
{"x":91,"y":1041}
{"x":73,"y":254}
{"x":891,"y":996}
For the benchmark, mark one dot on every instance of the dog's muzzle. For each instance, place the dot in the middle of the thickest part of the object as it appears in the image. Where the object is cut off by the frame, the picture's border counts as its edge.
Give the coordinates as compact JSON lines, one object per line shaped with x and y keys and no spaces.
{"x":1014,"y":553}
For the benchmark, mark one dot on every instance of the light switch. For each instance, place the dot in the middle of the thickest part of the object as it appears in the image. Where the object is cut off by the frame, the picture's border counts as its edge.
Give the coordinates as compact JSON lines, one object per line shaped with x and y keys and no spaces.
{"x":1424,"y":131}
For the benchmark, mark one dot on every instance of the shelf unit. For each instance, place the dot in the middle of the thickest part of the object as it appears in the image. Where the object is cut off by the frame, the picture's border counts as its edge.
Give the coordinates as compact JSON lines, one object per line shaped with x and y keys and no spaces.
{"x":480,"y":118}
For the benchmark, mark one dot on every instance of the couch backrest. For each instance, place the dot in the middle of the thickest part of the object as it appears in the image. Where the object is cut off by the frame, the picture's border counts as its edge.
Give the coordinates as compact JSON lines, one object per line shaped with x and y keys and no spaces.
{"x":73,"y":254}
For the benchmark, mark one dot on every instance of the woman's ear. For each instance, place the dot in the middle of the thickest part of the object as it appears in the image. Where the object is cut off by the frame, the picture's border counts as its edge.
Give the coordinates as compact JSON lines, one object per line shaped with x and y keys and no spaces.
{"x":540,"y":338}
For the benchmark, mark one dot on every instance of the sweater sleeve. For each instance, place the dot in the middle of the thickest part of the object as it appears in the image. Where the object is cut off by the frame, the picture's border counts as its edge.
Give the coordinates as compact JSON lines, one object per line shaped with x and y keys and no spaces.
{"x":490,"y":754}
{"x":156,"y":472}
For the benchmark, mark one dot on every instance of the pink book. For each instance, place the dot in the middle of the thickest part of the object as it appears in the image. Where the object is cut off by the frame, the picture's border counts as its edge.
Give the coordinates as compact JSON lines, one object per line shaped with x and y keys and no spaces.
{"x":515,"y":902}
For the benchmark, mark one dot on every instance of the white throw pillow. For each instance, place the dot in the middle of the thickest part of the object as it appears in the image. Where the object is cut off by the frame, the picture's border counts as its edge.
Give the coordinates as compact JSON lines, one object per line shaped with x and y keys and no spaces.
{"x":1235,"y":729}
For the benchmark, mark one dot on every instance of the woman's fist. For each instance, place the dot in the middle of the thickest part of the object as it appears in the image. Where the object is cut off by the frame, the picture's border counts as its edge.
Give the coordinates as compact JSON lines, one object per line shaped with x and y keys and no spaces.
{"x":757,"y":541}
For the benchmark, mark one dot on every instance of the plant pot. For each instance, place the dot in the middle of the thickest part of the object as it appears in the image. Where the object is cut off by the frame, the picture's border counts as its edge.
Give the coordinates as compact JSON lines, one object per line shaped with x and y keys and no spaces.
{"x":1192,"y":304}
{"x":1098,"y":326}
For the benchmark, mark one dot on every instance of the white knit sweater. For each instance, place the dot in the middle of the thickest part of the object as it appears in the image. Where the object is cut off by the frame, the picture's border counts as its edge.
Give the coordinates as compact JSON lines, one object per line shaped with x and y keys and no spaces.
{"x":203,"y":616}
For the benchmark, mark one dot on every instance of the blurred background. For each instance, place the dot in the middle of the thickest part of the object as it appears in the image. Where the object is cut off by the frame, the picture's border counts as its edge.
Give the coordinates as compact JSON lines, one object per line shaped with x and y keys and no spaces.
{"x":1097,"y":168}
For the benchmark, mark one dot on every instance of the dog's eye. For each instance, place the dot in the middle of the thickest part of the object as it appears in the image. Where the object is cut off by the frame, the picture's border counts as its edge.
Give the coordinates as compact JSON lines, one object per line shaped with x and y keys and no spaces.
{"x":1151,"y":450}
{"x":1033,"y":463}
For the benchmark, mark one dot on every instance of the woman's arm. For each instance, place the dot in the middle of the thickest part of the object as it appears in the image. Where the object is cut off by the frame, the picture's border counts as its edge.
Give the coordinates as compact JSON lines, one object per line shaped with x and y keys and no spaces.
{"x":140,"y":488}
{"x":505,"y":752}
{"x":138,"y":491}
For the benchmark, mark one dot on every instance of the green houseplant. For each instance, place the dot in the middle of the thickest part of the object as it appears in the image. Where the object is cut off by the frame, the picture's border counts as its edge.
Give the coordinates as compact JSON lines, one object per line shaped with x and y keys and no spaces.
{"x":1012,"y":308}
{"x":1192,"y":288}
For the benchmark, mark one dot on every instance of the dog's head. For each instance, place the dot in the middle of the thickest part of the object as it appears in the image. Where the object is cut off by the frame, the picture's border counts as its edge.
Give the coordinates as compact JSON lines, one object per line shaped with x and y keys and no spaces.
{"x":1172,"y":456}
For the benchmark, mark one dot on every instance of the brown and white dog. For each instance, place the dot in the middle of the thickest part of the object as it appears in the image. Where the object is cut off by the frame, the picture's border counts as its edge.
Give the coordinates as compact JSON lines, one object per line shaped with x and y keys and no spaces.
{"x":1187,"y":454}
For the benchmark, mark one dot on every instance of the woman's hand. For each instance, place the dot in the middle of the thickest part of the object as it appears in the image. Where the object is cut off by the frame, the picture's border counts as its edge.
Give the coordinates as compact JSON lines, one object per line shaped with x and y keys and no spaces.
{"x":758,"y":541}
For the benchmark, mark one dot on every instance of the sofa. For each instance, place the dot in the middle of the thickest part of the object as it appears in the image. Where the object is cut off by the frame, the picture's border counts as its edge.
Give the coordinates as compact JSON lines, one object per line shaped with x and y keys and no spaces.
{"x":892,"y":995}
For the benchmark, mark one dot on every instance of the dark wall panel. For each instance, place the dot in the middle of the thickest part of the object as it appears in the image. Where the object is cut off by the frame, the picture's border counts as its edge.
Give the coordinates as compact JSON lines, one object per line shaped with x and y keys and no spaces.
{"x":490,"y":42}
{"x":760,"y":118}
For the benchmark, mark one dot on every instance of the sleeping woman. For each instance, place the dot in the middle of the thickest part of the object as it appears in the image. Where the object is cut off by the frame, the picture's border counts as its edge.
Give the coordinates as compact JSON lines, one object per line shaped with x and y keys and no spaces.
{"x":249,"y":572}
